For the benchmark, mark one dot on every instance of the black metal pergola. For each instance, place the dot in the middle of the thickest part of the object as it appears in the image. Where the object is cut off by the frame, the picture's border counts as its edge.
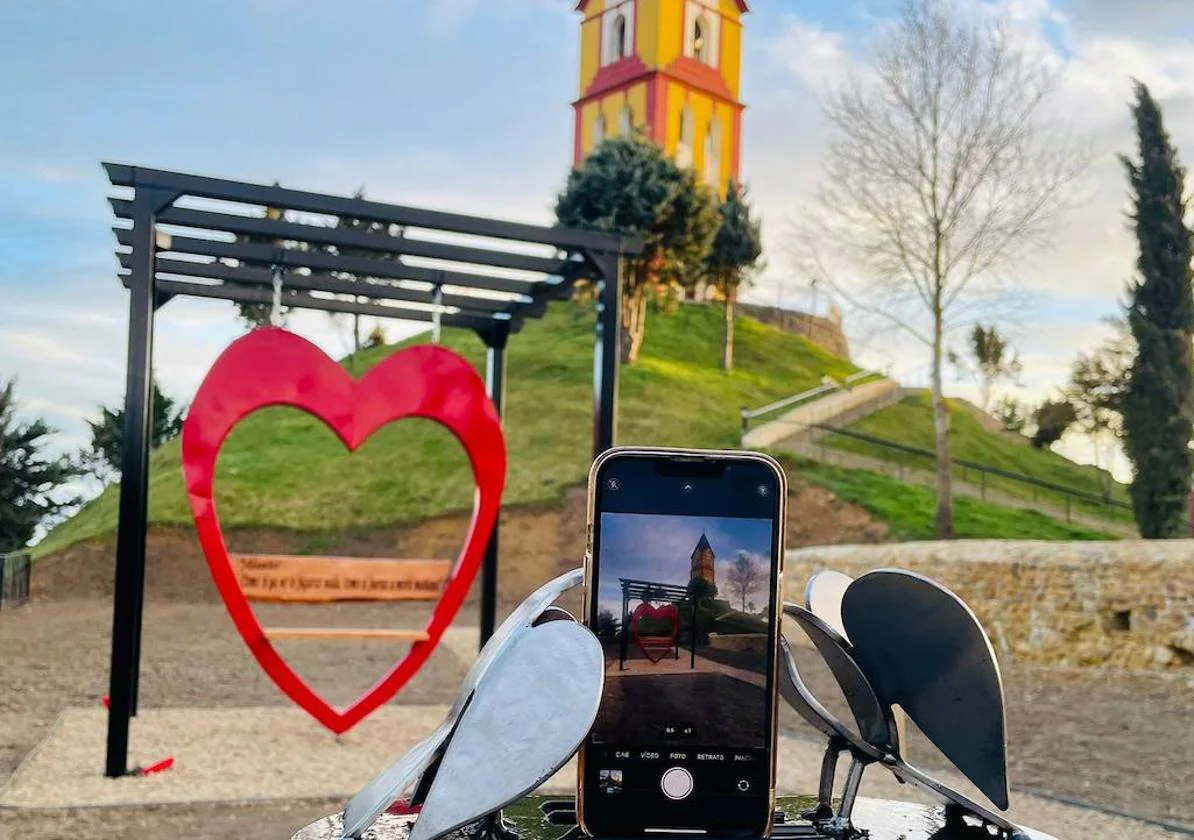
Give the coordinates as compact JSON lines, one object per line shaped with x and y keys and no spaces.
{"x":205,"y":237}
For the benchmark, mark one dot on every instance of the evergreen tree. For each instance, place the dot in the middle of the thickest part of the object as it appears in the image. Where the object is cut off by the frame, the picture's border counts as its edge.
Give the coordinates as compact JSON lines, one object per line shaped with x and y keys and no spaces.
{"x":362,"y":226}
{"x":28,"y":478}
{"x":737,"y":247}
{"x":107,"y":434}
{"x":1052,"y":418}
{"x":254,"y":315}
{"x":629,"y":186}
{"x":994,"y":359}
{"x":1157,"y":405}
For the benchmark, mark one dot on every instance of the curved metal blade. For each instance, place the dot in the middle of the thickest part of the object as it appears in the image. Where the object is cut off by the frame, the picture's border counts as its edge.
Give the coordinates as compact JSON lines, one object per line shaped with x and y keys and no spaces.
{"x":920,"y":646}
{"x":797,"y":693}
{"x":526,"y":720}
{"x":363,"y":809}
{"x":823,"y":598}
{"x":872,"y":717}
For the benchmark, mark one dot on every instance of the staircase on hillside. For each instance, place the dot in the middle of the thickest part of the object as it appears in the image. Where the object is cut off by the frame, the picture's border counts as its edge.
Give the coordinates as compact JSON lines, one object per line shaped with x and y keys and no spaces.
{"x":833,"y":404}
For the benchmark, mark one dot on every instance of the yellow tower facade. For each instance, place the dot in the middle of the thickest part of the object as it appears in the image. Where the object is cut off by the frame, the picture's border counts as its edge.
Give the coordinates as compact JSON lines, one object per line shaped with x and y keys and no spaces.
{"x":669,"y":68}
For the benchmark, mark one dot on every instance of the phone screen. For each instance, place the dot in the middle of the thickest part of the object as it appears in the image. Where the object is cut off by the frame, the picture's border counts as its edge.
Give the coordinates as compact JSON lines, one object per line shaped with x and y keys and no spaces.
{"x":682,"y":597}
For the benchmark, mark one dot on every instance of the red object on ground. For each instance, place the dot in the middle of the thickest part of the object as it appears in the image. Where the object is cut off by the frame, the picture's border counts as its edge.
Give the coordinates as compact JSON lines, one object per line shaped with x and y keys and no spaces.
{"x":403,"y":807}
{"x":107,"y":702}
{"x":271,"y":366}
{"x":661,"y":644}
{"x":164,"y":764}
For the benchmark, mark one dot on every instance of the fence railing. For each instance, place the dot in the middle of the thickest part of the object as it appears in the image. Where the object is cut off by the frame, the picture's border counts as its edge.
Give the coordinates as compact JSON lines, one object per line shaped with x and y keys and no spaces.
{"x":828,"y":385}
{"x":976,"y":473}
{"x":16,"y":571}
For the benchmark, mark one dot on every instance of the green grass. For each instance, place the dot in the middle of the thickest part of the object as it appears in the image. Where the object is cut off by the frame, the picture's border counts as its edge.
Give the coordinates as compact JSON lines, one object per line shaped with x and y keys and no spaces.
{"x":281,"y":468}
{"x":910,"y":511}
{"x":910,"y":422}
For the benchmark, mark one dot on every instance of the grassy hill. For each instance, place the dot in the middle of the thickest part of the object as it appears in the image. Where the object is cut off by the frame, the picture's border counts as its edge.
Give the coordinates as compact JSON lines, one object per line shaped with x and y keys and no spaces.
{"x":910,"y":422}
{"x":283,"y":469}
{"x":910,"y":511}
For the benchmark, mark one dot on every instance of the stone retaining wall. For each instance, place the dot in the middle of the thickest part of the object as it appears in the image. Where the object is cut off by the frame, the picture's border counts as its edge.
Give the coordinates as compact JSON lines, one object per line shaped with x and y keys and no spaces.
{"x":824,"y":332}
{"x":1127,"y":604}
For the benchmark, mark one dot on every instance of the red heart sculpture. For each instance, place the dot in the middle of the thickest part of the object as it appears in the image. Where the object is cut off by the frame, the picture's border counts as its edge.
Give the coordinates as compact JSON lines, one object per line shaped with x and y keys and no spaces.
{"x":271,"y":366}
{"x":669,"y":612}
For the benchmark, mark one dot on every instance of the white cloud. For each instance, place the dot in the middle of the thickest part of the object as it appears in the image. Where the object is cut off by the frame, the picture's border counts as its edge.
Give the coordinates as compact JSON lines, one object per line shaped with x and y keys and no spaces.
{"x":446,"y":16}
{"x":811,"y":53}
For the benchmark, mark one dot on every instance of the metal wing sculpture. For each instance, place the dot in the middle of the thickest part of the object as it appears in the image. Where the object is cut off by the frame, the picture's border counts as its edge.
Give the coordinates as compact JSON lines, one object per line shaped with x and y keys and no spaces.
{"x":525,"y":720}
{"x":877,"y":739}
{"x":922,"y":648}
{"x":823,"y":596}
{"x":519,"y":637}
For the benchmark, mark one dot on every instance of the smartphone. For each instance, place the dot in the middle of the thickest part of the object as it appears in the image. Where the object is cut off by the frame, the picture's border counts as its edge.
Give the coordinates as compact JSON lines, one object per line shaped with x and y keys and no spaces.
{"x":682,"y":587}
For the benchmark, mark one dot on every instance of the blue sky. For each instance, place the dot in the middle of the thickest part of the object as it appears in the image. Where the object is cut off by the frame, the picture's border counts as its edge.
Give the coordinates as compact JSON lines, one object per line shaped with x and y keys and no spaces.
{"x":659,"y":549}
{"x":463,"y":105}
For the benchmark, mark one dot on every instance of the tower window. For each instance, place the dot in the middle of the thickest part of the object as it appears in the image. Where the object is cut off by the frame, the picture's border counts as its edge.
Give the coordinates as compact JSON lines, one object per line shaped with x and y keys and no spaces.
{"x":627,"y":122}
{"x":713,"y":154}
{"x":700,"y":46}
{"x":687,"y":138}
{"x":599,"y":131}
{"x":617,"y":31}
{"x":619,"y":37}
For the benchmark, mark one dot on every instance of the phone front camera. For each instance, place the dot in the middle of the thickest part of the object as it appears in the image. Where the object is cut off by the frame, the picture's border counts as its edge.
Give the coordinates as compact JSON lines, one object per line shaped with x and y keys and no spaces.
{"x":764,"y":490}
{"x":613,"y":484}
{"x":686,"y":487}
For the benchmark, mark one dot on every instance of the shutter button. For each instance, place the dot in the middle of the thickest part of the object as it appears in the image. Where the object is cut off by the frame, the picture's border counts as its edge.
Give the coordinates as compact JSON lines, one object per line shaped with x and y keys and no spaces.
{"x":676,"y":783}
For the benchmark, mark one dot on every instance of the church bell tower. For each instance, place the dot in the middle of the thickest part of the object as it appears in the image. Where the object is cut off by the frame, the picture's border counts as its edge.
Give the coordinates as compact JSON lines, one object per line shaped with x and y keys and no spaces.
{"x":670,"y":69}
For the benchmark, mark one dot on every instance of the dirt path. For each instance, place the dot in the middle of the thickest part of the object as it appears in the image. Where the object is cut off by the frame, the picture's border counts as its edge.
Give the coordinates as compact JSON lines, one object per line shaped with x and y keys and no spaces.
{"x":1118,"y":740}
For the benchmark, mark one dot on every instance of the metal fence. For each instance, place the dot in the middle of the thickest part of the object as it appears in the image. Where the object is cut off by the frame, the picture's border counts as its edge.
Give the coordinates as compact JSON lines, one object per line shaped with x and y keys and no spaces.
{"x":913,"y":457}
{"x":828,"y":385}
{"x":15,"y":574}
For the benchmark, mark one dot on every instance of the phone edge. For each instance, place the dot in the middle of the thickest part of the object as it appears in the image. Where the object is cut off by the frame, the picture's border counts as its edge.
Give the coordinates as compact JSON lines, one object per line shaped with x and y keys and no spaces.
{"x":591,"y":505}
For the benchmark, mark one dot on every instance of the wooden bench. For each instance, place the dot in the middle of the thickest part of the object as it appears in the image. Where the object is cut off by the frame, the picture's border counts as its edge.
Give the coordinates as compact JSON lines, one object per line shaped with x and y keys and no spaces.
{"x":289,"y":579}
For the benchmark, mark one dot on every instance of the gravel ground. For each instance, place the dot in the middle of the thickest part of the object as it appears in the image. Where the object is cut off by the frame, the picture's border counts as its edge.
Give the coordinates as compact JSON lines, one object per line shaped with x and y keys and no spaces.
{"x":1118,"y":740}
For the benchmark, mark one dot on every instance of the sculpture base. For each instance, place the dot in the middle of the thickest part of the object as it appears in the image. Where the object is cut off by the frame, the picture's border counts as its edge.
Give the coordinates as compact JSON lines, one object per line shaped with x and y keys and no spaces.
{"x":529,"y":820}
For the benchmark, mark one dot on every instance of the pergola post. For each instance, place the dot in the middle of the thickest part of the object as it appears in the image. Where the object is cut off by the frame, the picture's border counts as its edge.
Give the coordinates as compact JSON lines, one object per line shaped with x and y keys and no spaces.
{"x":134,"y":484}
{"x":495,"y":386}
{"x":607,"y":353}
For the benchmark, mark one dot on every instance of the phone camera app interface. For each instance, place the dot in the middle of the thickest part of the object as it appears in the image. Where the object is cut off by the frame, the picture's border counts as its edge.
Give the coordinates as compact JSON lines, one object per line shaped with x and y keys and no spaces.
{"x":683,"y":614}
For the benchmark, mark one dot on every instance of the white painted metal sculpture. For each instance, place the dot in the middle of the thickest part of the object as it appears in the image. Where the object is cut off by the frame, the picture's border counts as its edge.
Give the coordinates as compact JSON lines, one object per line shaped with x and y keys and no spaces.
{"x":890,"y":638}
{"x":576,"y":675}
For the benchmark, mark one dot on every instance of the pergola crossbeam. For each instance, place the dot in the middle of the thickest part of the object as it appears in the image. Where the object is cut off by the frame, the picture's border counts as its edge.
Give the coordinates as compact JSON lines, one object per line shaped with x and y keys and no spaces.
{"x":124,"y":175}
{"x":305,"y":300}
{"x":283,"y":231}
{"x":238,"y":275}
{"x":389,"y":269}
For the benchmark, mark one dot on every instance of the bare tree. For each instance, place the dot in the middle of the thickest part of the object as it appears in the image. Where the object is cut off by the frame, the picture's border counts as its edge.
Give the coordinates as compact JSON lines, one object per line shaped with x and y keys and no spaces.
{"x":744,"y":576}
{"x":941,"y":172}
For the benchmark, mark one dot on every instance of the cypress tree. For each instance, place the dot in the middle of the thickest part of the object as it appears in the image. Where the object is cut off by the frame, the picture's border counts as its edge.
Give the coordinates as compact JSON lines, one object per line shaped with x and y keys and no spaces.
{"x":1157,"y":406}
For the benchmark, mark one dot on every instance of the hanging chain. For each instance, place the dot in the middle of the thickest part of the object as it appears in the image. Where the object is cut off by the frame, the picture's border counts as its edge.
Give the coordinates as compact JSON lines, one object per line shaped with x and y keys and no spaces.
{"x":437,"y":312}
{"x":275,"y":311}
